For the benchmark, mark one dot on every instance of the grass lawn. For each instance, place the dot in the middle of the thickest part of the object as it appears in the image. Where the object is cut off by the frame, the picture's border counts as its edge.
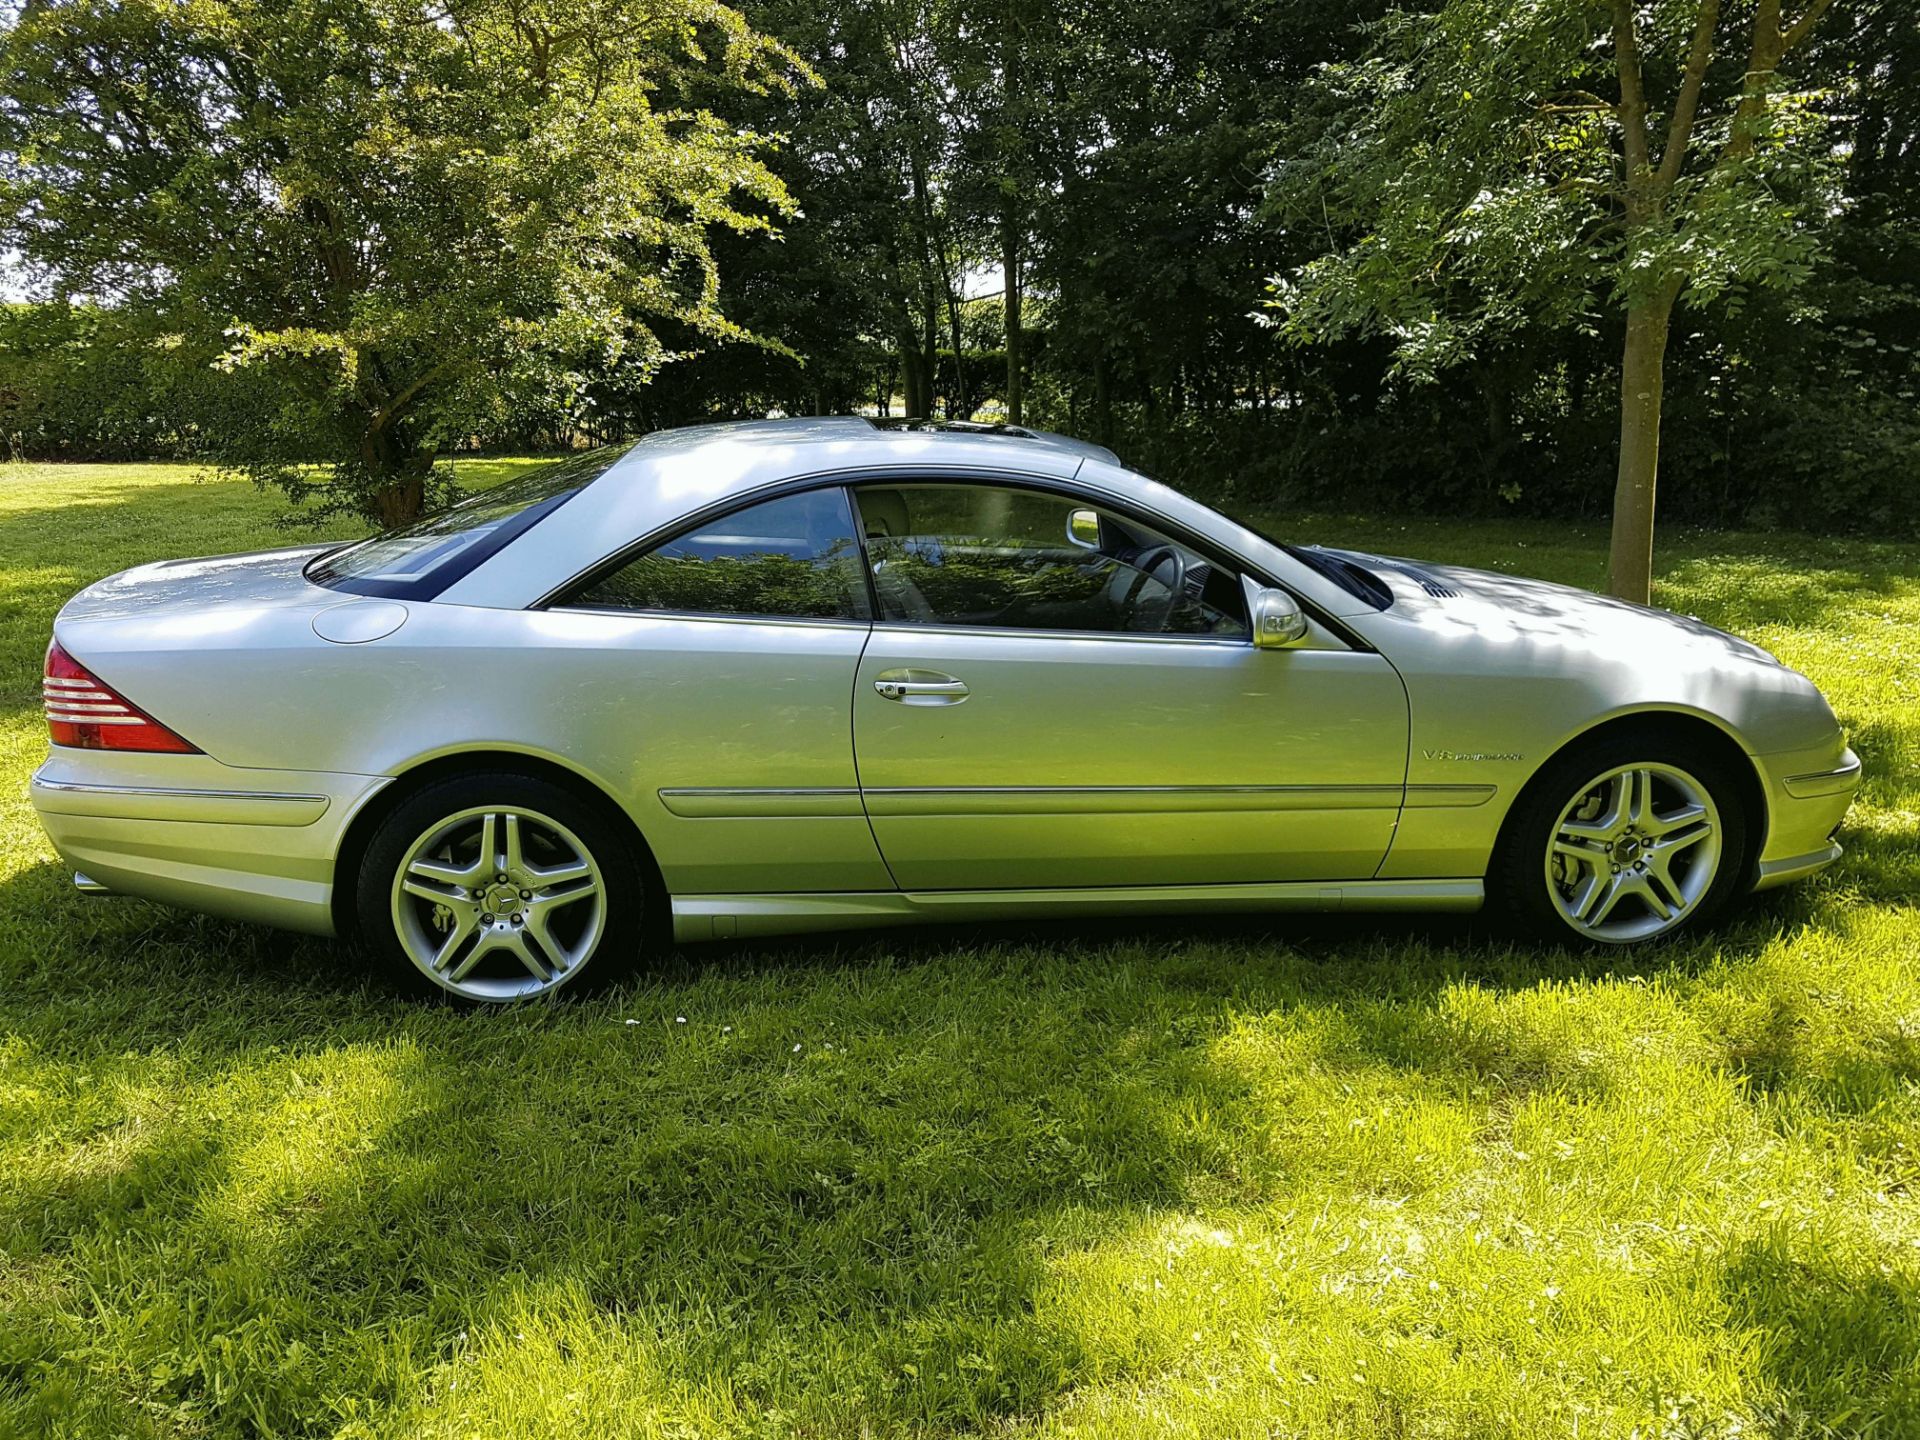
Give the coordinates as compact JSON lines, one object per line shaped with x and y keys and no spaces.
{"x":1217,"y":1180}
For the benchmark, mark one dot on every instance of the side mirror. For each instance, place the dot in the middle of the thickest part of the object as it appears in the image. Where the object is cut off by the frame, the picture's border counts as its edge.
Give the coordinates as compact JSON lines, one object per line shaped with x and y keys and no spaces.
{"x":1083,"y":528}
{"x":1278,"y":621}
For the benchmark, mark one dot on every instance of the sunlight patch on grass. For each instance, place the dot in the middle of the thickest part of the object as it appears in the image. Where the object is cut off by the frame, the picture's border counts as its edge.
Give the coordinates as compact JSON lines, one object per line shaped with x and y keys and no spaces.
{"x":1196,"y":1178}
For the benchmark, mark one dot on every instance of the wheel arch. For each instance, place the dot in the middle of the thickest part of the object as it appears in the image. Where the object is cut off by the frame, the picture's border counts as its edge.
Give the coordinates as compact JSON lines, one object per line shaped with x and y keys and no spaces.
{"x":425,"y":771}
{"x":1705,"y":730}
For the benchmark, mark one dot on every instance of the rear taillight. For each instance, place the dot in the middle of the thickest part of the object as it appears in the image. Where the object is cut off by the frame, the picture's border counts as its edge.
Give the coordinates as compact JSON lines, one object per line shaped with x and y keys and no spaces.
{"x":84,"y":713}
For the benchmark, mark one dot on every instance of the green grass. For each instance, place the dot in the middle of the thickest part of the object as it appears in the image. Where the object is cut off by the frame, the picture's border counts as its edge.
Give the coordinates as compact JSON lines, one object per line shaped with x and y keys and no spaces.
{"x":1217,"y":1180}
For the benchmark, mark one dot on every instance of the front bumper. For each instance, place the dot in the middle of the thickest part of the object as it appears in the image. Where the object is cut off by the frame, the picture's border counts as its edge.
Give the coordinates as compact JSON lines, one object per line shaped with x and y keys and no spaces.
{"x":1808,"y":794}
{"x":185,"y":830}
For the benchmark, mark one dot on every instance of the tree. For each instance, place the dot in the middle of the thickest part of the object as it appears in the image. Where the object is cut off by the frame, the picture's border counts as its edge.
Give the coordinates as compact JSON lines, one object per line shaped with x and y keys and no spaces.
{"x":1510,"y":165}
{"x":398,"y":215}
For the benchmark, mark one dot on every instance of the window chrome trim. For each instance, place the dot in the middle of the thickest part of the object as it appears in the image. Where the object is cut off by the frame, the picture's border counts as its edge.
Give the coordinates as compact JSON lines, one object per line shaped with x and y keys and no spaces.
{"x":702,"y":617}
{"x":1016,"y":632}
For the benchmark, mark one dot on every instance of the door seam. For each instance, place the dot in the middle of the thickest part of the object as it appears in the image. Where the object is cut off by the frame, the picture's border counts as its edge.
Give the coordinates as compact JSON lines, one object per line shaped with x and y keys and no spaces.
{"x":853,"y":732}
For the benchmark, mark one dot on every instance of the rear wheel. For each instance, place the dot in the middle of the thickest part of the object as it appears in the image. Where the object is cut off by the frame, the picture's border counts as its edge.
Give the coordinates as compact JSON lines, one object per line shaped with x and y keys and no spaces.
{"x":501,"y":887}
{"x":1626,"y":840}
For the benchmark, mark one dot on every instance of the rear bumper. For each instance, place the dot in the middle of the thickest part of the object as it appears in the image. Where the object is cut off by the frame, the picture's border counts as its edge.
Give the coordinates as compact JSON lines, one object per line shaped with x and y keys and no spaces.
{"x":1807,"y":797}
{"x":186,"y":830}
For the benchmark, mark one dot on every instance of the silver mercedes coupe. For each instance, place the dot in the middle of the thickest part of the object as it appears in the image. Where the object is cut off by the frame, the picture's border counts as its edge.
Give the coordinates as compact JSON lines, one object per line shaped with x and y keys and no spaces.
{"x":790,"y":675}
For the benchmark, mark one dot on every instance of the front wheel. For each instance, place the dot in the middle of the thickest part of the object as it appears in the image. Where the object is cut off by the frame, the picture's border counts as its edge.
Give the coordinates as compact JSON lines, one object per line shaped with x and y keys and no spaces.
{"x":500,"y":887}
{"x":1625,"y":841}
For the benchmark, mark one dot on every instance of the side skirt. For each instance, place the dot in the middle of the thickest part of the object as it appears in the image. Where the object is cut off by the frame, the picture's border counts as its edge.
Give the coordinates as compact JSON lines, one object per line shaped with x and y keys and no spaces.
{"x":722,"y":917}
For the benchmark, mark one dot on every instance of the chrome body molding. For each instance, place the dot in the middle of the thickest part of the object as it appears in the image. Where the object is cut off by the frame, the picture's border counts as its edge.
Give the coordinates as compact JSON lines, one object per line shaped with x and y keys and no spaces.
{"x":1448,"y":797}
{"x":157,"y":802}
{"x":1124,"y":799}
{"x":1841,"y":779}
{"x":764,"y":803}
{"x":741,"y":803}
{"x":1774,"y":873}
{"x":723,"y":917}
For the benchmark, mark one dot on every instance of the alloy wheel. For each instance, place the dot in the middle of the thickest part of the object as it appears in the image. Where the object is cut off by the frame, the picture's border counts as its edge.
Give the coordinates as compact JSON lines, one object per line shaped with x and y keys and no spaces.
{"x":1634,"y":853}
{"x":498,"y":903}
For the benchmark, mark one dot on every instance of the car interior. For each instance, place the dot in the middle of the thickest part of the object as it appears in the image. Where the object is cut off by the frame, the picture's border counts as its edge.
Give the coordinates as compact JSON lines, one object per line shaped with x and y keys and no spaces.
{"x":1000,"y":557}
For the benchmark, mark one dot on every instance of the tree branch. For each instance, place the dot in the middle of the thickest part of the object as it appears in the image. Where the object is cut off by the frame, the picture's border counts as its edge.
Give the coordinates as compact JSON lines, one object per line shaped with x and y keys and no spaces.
{"x":1633,"y":101}
{"x":1763,"y":60}
{"x":388,"y":412}
{"x":1803,"y":27}
{"x":1585,"y":97}
{"x":1687,"y":106}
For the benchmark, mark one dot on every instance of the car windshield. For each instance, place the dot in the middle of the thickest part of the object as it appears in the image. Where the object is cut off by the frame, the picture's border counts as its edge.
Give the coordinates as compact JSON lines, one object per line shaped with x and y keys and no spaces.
{"x":1356,"y":580}
{"x":420,"y":560}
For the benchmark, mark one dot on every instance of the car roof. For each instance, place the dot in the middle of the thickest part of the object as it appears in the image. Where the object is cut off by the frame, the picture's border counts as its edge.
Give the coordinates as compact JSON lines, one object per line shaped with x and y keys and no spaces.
{"x":887,"y":439}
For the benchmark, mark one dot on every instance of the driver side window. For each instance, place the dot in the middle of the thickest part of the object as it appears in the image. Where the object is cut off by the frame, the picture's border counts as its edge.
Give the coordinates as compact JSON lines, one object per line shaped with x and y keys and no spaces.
{"x":1000,"y":557}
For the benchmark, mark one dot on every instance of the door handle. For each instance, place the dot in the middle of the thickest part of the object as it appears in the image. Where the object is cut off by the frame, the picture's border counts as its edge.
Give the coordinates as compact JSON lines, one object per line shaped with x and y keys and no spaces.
{"x":920,"y":687}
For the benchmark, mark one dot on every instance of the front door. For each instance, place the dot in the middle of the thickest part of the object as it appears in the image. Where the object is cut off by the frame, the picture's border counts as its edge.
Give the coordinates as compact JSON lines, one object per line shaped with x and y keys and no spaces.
{"x":1056,"y":696}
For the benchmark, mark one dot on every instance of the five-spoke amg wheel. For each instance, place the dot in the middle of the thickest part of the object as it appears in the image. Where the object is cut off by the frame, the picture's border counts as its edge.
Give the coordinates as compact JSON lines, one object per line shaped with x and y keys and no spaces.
{"x":500,"y":887}
{"x":1625,"y":840}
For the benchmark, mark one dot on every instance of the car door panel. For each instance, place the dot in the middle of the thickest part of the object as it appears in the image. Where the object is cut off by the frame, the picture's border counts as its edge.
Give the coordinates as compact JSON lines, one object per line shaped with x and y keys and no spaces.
{"x":1096,"y":760}
{"x":728,"y":741}
{"x":715,"y":671}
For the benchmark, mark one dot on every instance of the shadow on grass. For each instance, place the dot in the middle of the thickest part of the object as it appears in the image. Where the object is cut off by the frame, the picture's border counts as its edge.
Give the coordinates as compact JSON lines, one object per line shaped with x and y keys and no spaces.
{"x":831,"y":1172}
{"x":1838,"y":1338}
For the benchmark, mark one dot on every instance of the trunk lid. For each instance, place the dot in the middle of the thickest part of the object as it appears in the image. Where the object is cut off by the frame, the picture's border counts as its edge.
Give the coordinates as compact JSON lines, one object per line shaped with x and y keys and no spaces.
{"x":262,"y":578}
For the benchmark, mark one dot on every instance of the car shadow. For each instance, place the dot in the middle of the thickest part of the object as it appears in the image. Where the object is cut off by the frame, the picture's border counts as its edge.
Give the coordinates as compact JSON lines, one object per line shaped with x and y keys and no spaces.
{"x":849,"y":1168}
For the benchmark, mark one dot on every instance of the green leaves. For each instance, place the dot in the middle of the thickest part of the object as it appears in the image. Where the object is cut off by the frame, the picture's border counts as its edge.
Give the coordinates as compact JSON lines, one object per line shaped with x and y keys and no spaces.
{"x":1472,"y":177}
{"x":401,"y":224}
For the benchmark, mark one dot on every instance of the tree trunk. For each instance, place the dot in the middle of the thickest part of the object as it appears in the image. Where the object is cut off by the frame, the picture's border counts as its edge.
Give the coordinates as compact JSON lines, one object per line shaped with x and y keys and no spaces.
{"x":399,"y":502}
{"x":1102,"y":401}
{"x":397,"y":474}
{"x":959,"y":407}
{"x":1013,"y":176}
{"x":928,"y":340}
{"x":1010,"y":263}
{"x":913,"y":376}
{"x":932,"y":263}
{"x":1642,"y":392}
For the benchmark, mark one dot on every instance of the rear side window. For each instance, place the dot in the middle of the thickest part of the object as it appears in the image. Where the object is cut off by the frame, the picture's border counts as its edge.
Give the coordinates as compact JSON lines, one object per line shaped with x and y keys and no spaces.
{"x":793,"y":558}
{"x":418,"y":561}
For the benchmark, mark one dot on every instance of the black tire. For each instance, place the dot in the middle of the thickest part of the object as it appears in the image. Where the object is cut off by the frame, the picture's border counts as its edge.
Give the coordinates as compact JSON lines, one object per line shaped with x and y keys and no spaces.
{"x":552,"y":819}
{"x":1517,"y":882}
